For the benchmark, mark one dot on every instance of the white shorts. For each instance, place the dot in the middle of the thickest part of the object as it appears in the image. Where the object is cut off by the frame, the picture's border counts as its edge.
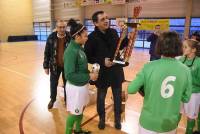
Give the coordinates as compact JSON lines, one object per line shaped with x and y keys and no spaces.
{"x":77,"y":97}
{"x":145,"y":131}
{"x":191,"y":109}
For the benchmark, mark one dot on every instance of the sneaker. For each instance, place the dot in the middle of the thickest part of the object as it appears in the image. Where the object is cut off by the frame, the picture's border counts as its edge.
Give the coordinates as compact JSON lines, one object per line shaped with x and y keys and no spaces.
{"x":50,"y":105}
{"x":196,"y":132}
{"x":118,"y":125}
{"x":101,"y":124}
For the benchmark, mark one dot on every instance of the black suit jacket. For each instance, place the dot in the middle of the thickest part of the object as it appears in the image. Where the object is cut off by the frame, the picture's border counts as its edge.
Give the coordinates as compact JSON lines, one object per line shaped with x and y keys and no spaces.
{"x":100,"y":46}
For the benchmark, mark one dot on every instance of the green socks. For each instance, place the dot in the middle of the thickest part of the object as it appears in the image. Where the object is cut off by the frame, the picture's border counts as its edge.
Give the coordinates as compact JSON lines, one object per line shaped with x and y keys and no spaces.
{"x":70,"y":120}
{"x":190,"y":126}
{"x":78,"y":122}
{"x":198,"y":122}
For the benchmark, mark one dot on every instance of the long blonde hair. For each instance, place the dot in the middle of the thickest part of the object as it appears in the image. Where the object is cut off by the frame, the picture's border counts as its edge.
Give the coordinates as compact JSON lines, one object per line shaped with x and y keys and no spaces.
{"x":194,"y":44}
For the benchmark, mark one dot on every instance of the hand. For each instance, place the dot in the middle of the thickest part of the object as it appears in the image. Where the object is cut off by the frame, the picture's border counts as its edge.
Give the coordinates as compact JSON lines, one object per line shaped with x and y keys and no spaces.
{"x":46,"y":71}
{"x":94,"y":76}
{"x":108,"y":63}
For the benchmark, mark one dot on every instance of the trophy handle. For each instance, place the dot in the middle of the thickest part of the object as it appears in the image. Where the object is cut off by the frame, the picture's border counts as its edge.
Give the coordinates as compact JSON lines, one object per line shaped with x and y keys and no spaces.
{"x":122,"y":36}
{"x":133,"y":34}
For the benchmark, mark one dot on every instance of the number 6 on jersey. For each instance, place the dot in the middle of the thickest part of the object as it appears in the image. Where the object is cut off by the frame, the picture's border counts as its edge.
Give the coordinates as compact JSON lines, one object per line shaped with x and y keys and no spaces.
{"x":167,"y":90}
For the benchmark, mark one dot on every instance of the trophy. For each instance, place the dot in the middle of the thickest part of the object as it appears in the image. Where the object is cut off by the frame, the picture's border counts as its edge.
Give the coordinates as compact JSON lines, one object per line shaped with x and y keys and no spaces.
{"x":95,"y":68}
{"x":122,"y":57}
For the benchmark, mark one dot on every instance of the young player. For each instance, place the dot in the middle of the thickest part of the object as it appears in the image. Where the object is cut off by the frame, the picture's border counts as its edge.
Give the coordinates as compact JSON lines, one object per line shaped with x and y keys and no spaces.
{"x":166,"y":83}
{"x":191,"y":49}
{"x":77,"y":75}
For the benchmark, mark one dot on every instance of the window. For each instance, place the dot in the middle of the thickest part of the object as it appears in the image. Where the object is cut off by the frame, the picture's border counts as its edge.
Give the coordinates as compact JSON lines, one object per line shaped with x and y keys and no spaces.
{"x":176,"y":24}
{"x":195,"y":25}
{"x":89,"y":25}
{"x":113,"y":24}
{"x":42,"y":30}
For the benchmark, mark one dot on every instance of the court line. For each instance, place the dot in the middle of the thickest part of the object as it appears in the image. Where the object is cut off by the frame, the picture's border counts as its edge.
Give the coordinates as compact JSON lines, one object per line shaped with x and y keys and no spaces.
{"x":18,"y":73}
{"x":83,"y":124}
{"x":90,"y":119}
{"x":21,"y":130}
{"x":27,"y":105}
{"x":21,"y":127}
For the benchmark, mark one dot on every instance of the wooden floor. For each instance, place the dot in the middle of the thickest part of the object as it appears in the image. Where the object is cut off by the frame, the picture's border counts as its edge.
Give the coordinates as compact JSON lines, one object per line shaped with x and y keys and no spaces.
{"x":24,"y":95}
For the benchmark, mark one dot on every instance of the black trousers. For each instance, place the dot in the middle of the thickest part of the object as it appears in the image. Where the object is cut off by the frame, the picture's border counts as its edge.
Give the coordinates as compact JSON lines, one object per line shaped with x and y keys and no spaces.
{"x":101,"y":94}
{"x":54,"y":77}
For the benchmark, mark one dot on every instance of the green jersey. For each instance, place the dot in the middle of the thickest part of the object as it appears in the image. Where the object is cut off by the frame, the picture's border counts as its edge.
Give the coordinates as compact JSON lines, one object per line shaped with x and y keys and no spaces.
{"x":194,"y":66}
{"x":76,"y":65}
{"x":166,"y":83}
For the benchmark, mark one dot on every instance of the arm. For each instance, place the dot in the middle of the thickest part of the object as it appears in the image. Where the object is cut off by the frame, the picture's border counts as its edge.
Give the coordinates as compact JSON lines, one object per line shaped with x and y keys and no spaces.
{"x":70,"y":61}
{"x":89,"y":49}
{"x":196,"y":80}
{"x":150,"y":38}
{"x":47,"y":54}
{"x":188,"y":90}
{"x":137,"y":83}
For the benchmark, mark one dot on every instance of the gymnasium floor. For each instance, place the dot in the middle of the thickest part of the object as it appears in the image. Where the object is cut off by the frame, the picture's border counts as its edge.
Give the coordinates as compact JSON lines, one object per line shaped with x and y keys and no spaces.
{"x":25,"y":94}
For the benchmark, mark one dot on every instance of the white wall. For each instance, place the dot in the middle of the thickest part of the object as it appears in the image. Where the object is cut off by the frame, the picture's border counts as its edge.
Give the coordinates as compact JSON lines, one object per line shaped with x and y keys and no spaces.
{"x":41,"y":10}
{"x":151,"y":8}
{"x":63,"y":10}
{"x":111,"y":10}
{"x":15,"y":18}
{"x":196,"y":8}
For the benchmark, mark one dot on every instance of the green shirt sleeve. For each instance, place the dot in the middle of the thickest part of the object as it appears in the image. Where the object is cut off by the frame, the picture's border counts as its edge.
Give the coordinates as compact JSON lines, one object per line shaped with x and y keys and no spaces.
{"x":188,"y":90}
{"x":138,"y":82}
{"x":71,"y":74}
{"x":196,"y":78}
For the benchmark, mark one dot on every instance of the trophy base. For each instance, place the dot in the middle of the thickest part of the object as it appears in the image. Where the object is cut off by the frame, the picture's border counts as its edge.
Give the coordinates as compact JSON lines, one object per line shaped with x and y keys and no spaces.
{"x":133,"y":25}
{"x":119,"y":62}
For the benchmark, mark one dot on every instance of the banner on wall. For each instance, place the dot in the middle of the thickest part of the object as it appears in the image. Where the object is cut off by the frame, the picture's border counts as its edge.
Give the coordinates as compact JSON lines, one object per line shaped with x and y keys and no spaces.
{"x":93,"y":2}
{"x":116,"y":2}
{"x":150,"y":24}
{"x":71,"y":3}
{"x":87,"y":2}
{"x":136,"y":1}
{"x":100,"y":1}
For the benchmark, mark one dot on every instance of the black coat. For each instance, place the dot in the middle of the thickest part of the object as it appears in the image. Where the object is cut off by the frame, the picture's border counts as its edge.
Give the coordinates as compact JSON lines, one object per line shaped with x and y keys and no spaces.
{"x":50,"y":51}
{"x":97,"y":48}
{"x":153,"y":39}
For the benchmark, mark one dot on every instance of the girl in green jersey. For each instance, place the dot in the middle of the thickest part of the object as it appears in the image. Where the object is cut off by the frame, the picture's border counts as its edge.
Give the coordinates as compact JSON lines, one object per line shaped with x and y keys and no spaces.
{"x":166,"y":83}
{"x":78,"y":76}
{"x":191,"y":51}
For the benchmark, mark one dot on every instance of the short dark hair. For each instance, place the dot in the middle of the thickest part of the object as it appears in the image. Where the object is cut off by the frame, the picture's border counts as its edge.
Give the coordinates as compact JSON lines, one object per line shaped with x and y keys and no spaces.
{"x":95,"y":16}
{"x":75,"y":28}
{"x":197,"y":34}
{"x":169,"y":45}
